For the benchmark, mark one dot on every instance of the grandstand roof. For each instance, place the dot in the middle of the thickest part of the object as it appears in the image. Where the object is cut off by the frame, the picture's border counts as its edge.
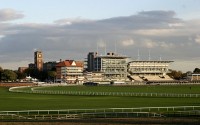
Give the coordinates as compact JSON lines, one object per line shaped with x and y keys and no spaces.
{"x":70,"y":63}
{"x":166,"y":61}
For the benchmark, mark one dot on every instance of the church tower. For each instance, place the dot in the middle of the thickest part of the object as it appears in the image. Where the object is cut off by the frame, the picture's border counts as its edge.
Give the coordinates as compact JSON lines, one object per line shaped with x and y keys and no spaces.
{"x":38,"y":59}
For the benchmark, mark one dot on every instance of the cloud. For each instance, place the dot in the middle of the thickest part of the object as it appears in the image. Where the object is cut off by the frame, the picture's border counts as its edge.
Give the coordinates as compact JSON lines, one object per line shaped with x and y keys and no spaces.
{"x":1,"y":36}
{"x":9,"y":14}
{"x":155,"y":32}
{"x":101,"y":44}
{"x":197,"y":39}
{"x":160,"y":31}
{"x":176,"y":24}
{"x":158,"y":14}
{"x":149,"y":43}
{"x":70,"y":21}
{"x":166,"y":45}
{"x":127,"y":43}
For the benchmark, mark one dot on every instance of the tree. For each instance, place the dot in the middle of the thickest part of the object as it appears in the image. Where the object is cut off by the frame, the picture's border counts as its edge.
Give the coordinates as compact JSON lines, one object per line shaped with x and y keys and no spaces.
{"x":51,"y":74}
{"x":196,"y":70}
{"x":9,"y":75}
{"x":1,"y":71}
{"x":42,"y":75}
{"x":20,"y":75}
{"x":176,"y":74}
{"x":35,"y":73}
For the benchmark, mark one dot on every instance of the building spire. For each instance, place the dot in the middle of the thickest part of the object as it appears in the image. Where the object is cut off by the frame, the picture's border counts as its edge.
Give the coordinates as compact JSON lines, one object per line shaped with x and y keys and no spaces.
{"x":115,"y":48}
{"x":105,"y":48}
{"x":97,"y":48}
{"x":149,"y":54}
{"x":138,"y":55}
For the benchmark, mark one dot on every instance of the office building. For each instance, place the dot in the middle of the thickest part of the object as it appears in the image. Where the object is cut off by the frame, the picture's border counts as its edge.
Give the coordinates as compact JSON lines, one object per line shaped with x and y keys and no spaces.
{"x":113,"y":66}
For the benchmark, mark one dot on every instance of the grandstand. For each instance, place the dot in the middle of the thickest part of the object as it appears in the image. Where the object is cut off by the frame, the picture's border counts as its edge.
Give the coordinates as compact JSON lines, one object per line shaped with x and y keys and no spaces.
{"x":149,"y":70}
{"x":157,"y":78}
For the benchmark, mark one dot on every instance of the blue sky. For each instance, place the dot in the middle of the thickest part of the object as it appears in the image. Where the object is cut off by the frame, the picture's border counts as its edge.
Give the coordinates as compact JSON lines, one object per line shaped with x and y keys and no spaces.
{"x":69,"y":29}
{"x":46,"y":11}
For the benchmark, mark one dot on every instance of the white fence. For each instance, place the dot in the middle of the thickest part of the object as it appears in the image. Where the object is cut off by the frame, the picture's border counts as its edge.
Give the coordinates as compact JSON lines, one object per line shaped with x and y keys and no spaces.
{"x":105,"y":113}
{"x":16,"y":89}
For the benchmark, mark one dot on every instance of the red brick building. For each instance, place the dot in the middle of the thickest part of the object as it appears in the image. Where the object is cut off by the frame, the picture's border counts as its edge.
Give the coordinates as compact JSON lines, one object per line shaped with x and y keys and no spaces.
{"x":70,"y":72}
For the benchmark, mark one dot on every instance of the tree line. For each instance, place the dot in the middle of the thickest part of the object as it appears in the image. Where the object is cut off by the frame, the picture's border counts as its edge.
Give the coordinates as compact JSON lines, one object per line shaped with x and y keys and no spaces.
{"x":7,"y":75}
{"x":10,"y":75}
{"x":177,"y":75}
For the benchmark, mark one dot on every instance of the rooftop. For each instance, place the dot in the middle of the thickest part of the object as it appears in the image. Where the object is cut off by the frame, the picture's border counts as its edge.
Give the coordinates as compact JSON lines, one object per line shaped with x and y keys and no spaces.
{"x":70,"y":63}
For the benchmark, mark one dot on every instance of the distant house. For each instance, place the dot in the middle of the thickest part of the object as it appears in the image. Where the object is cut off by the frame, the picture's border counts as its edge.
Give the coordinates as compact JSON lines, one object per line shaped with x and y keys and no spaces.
{"x":30,"y":79}
{"x":22,"y":69}
{"x":193,"y":76}
{"x":70,"y":72}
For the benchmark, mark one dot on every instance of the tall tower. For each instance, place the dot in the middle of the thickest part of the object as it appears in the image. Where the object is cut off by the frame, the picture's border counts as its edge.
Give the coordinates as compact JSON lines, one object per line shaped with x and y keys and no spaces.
{"x":38,"y":59}
{"x":90,"y":61}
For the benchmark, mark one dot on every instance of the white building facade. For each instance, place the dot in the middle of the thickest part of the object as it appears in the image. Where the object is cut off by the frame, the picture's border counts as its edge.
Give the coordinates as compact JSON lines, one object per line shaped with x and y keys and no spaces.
{"x":113,"y":66}
{"x":70,"y":71}
{"x":149,"y":70}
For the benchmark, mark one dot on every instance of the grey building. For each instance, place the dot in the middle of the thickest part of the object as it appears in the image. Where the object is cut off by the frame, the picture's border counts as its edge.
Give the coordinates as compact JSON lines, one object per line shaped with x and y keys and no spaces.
{"x":90,"y":60}
{"x":48,"y":66}
{"x":113,"y":66}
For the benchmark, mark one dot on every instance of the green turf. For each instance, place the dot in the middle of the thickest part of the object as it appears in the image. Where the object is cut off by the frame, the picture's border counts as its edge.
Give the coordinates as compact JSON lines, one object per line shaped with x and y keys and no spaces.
{"x":22,"y":101}
{"x":183,"y":89}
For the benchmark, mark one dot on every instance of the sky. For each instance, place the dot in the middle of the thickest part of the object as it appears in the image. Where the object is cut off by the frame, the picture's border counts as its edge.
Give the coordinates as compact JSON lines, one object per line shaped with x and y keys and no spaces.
{"x":69,"y":29}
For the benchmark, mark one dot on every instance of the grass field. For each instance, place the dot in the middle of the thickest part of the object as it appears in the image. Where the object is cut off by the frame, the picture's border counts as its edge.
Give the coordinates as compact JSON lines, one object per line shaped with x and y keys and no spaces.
{"x":23,"y":101}
{"x":184,"y":89}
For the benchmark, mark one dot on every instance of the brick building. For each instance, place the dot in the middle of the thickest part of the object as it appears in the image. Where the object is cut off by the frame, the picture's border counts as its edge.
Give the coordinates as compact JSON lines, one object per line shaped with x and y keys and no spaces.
{"x":70,"y":72}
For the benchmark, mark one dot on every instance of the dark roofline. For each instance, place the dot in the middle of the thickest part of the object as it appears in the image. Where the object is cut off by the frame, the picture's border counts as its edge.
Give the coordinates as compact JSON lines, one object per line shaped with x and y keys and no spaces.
{"x":113,"y":56}
{"x":151,"y":61}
